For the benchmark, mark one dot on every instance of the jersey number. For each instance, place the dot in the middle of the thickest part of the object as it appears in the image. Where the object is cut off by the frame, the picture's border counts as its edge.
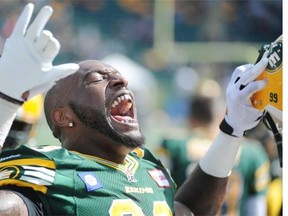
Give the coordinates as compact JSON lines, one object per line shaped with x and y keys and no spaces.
{"x":273,"y":97}
{"x":127,"y":207}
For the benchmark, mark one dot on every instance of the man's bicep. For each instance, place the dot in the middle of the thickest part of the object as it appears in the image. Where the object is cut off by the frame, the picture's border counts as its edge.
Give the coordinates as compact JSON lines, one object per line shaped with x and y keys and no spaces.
{"x":12,"y":204}
{"x":21,"y":201}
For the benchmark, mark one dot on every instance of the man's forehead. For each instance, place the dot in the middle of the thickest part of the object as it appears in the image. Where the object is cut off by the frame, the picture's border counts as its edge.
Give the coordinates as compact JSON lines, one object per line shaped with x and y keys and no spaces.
{"x":95,"y":66}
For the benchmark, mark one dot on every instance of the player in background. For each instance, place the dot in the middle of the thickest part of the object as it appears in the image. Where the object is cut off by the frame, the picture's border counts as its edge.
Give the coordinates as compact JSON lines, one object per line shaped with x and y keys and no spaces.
{"x":246,"y":194}
{"x":181,"y":147}
{"x":275,"y":197}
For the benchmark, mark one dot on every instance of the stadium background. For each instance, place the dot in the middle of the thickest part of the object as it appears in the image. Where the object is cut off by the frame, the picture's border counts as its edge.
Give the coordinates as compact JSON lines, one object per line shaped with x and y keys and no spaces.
{"x":169,"y":49}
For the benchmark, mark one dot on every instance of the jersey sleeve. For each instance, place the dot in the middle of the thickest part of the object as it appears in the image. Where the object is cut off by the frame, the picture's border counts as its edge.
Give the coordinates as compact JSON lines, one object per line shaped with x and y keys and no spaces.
{"x":25,"y":167}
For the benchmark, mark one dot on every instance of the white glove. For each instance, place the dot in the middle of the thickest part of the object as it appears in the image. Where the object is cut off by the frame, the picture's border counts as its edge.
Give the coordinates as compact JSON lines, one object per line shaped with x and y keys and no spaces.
{"x":26,"y":62}
{"x":241,"y":115}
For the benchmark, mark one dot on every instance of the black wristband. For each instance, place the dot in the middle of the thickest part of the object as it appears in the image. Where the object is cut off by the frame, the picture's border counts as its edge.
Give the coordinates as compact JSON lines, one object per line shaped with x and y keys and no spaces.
{"x":10,"y":99}
{"x":226,"y":128}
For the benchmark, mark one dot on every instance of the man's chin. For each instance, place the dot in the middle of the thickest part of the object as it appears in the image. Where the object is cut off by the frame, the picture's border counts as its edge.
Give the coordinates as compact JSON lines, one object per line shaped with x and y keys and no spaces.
{"x":132,"y":141}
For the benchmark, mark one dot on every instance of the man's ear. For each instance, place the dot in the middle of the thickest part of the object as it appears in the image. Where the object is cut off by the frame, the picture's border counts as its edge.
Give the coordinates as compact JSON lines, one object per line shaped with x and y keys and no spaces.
{"x":61,"y":117}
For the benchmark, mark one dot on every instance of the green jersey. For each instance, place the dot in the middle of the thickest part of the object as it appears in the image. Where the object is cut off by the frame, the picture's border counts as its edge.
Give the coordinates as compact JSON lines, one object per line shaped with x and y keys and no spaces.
{"x":69,"y":183}
{"x":180,"y":155}
{"x":250,"y":176}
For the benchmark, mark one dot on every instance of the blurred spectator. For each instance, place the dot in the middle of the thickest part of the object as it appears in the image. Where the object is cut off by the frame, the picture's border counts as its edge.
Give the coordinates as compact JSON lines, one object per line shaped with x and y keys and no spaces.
{"x":265,"y":136}
{"x":275,"y":197}
{"x":255,"y":22}
{"x":274,"y":192}
{"x":182,"y":149}
{"x":251,"y":172}
{"x":129,"y":24}
{"x":224,"y":20}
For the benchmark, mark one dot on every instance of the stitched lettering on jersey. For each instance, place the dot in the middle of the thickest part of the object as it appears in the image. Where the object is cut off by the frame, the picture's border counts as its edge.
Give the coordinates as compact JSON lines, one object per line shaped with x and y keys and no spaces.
{"x":10,"y":157}
{"x":90,"y":180}
{"x":159,"y":177}
{"x":140,"y":190}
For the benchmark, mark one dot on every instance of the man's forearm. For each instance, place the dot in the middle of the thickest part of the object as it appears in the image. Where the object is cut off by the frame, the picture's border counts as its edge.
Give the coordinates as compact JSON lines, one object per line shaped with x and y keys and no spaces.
{"x":204,"y":191}
{"x":203,"y":194}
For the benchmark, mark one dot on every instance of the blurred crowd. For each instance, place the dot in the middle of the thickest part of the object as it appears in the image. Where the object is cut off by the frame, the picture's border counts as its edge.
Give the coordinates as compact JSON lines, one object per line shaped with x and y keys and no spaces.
{"x":94,"y":29}
{"x":97,"y":29}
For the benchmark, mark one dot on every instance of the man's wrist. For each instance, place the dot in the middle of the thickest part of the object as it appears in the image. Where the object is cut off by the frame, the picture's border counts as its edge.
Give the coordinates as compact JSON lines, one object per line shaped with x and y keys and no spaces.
{"x":219,"y":159}
{"x":7,"y":115}
{"x":10,"y":99}
{"x":226,"y":128}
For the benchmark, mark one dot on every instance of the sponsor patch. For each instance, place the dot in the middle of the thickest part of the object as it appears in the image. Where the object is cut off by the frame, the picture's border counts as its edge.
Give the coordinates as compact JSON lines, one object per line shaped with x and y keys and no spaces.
{"x":90,"y":180}
{"x":159,"y":177}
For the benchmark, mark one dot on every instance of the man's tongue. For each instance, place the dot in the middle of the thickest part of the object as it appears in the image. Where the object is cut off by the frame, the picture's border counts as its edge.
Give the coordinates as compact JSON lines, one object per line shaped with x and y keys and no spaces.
{"x":120,"y":112}
{"x":121,"y":118}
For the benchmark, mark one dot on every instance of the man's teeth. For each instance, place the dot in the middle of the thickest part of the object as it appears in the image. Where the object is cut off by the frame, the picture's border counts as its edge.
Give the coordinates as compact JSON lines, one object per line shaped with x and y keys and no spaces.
{"x":127,"y":121}
{"x":121,"y":98}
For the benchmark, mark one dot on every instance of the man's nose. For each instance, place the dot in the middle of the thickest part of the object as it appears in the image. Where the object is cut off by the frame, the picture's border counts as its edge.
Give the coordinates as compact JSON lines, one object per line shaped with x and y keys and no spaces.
{"x":116,"y":80}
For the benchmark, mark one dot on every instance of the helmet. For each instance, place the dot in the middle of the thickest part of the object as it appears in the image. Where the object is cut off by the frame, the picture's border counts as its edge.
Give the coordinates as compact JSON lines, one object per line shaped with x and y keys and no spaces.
{"x":23,"y":127}
{"x":270,"y":98}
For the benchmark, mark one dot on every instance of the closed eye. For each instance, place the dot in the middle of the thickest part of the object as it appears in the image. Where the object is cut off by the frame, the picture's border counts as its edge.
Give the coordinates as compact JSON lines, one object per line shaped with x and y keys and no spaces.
{"x":94,"y":78}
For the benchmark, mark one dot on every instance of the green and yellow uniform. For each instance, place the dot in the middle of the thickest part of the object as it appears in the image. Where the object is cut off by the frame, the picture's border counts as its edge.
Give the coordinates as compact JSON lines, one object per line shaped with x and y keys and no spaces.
{"x":249,"y":178}
{"x":69,"y":183}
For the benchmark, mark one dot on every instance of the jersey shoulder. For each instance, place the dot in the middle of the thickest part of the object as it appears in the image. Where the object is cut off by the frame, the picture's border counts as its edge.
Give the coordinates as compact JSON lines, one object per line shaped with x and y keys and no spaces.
{"x":34,"y":168}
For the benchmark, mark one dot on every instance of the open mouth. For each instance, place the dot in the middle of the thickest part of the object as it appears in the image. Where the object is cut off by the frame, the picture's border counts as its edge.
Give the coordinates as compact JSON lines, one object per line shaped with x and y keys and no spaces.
{"x":122,"y":109}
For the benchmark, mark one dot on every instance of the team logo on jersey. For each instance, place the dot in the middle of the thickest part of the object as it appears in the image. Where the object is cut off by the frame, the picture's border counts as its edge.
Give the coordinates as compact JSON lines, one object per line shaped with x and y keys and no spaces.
{"x":159,"y":177}
{"x":90,"y":180}
{"x":27,"y":175}
{"x":130,"y":176}
{"x":32,"y":174}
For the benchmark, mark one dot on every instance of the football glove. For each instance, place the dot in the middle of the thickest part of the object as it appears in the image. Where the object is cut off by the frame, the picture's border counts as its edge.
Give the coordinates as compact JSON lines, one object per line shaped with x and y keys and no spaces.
{"x":240,"y":114}
{"x":26,"y":61}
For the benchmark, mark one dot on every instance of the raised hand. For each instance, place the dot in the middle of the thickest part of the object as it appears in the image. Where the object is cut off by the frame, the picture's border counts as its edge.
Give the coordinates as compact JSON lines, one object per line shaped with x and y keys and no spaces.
{"x":26,"y":62}
{"x":241,"y":115}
